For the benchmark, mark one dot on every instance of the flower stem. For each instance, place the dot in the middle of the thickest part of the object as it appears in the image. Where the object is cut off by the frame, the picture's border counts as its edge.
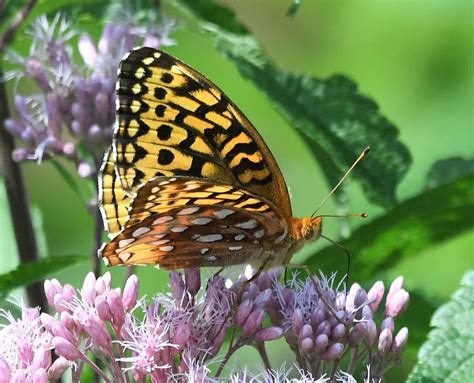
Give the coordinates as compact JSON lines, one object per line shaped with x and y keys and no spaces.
{"x":260,"y":346}
{"x":15,"y":187}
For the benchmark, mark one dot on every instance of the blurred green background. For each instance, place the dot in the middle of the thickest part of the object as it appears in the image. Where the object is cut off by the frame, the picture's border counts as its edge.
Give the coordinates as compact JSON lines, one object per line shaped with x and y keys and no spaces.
{"x":414,"y":58}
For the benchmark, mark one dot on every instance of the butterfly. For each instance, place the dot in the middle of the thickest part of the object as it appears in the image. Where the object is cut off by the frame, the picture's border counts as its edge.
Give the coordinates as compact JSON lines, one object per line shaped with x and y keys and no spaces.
{"x":188,"y":181}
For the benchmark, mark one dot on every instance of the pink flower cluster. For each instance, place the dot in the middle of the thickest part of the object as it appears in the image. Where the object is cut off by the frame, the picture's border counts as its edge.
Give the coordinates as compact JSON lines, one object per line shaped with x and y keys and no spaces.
{"x":175,"y":336}
{"x":25,"y":349}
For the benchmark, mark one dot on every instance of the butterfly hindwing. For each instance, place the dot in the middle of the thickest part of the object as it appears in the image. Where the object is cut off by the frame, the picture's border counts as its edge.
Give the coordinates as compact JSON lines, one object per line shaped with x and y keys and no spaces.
{"x":195,"y":236}
{"x":172,"y":121}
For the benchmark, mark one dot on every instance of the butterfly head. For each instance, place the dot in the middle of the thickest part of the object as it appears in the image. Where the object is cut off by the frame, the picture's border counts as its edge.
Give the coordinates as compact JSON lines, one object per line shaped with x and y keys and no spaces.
{"x":307,"y":229}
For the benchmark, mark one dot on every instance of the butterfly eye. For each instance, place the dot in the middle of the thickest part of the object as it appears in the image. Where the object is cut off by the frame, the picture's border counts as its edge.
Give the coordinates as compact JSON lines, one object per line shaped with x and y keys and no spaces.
{"x":308,"y":233}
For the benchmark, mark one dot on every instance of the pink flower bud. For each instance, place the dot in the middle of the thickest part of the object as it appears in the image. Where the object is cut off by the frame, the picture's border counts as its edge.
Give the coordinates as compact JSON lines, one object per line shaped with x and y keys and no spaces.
{"x":297,"y":321}
{"x":388,"y":323}
{"x":263,"y":297}
{"x":88,"y":288}
{"x":253,"y":322}
{"x":338,"y":332}
{"x":84,"y":169}
{"x":320,"y":343}
{"x":367,"y":313}
{"x":317,"y":317}
{"x":59,"y":330}
{"x":375,"y":295}
{"x":103,"y":309}
{"x":41,"y":359}
{"x":396,"y":285}
{"x":306,"y":332}
{"x":357,"y":333}
{"x":57,"y":369}
{"x":40,"y":376}
{"x":98,"y":332}
{"x":333,"y":352}
{"x":59,"y":302}
{"x":400,"y":341}
{"x":351,"y":296}
{"x":243,"y":311}
{"x":270,"y":333}
{"x":66,"y":349}
{"x":397,"y":303}
{"x":116,"y":308}
{"x":323,"y":328}
{"x":306,"y":344}
{"x":371,"y":334}
{"x":107,"y":277}
{"x":385,"y":342}
{"x":99,"y":286}
{"x":68,"y":292}
{"x":68,"y":321}
{"x":5,"y":371}
{"x":130,"y":293}
{"x":69,"y":149}
{"x":51,"y":288}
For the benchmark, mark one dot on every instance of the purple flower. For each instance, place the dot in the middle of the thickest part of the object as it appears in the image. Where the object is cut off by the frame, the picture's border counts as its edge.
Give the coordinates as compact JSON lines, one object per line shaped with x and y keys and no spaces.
{"x":75,"y":102}
{"x":25,"y":350}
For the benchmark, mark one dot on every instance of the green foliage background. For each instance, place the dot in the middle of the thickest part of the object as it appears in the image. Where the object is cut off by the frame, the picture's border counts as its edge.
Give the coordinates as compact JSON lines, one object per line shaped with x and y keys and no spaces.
{"x":414,"y":59}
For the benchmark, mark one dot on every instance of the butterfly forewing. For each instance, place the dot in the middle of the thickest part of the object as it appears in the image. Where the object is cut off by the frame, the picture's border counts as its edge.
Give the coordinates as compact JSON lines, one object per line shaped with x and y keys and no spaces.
{"x":113,"y":200}
{"x":172,"y":121}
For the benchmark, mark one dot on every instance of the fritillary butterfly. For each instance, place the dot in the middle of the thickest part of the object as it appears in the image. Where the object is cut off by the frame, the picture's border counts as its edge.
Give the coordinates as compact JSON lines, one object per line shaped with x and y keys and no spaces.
{"x":188,"y":181}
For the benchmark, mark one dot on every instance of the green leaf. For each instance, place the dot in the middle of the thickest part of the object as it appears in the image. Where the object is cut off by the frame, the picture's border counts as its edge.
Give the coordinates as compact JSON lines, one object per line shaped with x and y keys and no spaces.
{"x":448,"y":170}
{"x":448,"y":354}
{"x":293,"y":8}
{"x":209,"y":12}
{"x":30,"y":272}
{"x":330,"y":113}
{"x":411,"y":227}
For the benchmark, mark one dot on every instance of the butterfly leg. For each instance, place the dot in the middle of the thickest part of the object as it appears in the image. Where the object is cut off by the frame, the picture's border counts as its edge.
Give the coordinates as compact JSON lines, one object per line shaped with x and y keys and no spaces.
{"x":316,"y":284}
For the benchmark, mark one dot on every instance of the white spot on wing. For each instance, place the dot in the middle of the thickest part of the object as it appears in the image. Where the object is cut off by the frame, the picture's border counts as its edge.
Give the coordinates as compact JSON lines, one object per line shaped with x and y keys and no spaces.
{"x":126,"y":242}
{"x":221,"y":214}
{"x":211,"y":258}
{"x":166,"y":248}
{"x":235,"y":248}
{"x":164,"y":219}
{"x":201,"y":221}
{"x":155,"y":189}
{"x":188,"y":210}
{"x":124,"y":257}
{"x":159,"y":236}
{"x":204,"y":250}
{"x":211,"y":238}
{"x":259,"y":233}
{"x":178,"y":229}
{"x":250,"y":224}
{"x":239,"y":237}
{"x":162,"y":242}
{"x":140,"y":231}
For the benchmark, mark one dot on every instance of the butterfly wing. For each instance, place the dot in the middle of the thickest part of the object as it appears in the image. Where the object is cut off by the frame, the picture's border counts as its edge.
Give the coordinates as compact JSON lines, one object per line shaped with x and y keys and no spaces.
{"x":196,"y":232}
{"x":113,"y":200}
{"x":172,"y":121}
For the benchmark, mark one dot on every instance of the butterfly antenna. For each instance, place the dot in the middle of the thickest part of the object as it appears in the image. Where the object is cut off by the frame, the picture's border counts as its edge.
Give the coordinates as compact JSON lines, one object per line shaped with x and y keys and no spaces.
{"x":361,"y":156}
{"x":348,"y":254}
